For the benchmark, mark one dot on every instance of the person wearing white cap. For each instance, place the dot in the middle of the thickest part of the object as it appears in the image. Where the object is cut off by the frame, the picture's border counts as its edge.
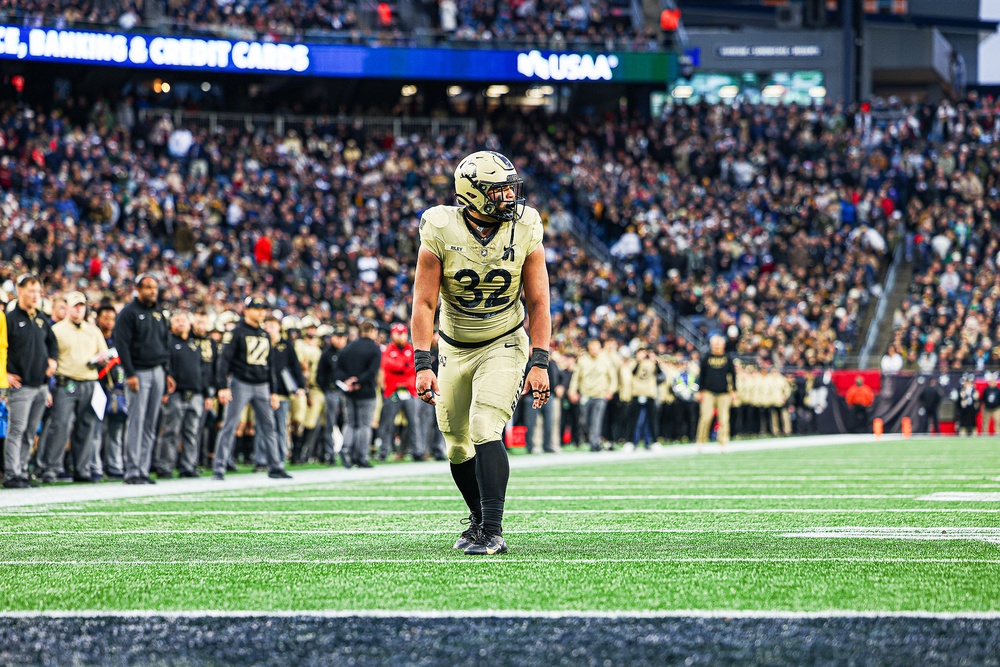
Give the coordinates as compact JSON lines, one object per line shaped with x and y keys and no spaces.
{"x":81,"y":348}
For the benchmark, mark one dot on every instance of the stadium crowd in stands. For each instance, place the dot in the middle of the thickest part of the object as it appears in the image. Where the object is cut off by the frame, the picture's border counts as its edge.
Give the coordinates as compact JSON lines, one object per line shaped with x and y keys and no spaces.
{"x":768,"y":224}
{"x":950,"y":319}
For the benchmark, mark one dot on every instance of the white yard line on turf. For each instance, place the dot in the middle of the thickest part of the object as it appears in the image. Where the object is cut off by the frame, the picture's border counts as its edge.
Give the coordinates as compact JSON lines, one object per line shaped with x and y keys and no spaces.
{"x":990,"y":535}
{"x":346,"y":531}
{"x":509,"y":560}
{"x":401,"y":512}
{"x":520,"y":497}
{"x":962,"y":497}
{"x":75,"y":493}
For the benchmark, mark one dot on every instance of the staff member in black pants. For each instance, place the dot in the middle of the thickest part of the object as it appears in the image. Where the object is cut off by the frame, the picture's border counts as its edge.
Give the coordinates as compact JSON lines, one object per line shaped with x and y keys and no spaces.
{"x":183,"y":409}
{"x":246,"y":356}
{"x":358,"y":366}
{"x":200,"y":334}
{"x":288,"y":381}
{"x":32,"y":356}
{"x":141,"y":336}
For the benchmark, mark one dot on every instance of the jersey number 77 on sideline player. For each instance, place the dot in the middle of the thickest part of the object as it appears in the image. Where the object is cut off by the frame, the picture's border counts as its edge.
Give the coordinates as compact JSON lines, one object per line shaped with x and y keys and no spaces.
{"x":479,"y":257}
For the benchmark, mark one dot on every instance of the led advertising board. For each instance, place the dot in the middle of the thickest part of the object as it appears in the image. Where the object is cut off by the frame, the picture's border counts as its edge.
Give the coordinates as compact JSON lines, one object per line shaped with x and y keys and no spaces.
{"x":328,"y":60}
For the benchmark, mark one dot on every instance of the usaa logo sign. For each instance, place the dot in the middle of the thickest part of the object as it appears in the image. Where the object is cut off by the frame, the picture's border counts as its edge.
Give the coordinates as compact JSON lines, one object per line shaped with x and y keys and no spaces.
{"x":566,"y":66}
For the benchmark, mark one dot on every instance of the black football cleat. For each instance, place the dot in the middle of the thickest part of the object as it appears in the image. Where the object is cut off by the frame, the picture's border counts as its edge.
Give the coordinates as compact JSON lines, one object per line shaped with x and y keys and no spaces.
{"x":469,"y":535}
{"x":487,"y":544}
{"x":279,"y":473}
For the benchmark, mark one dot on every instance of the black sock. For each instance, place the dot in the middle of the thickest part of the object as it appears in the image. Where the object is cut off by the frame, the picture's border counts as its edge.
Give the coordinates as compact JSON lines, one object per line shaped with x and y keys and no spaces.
{"x":464,"y":475}
{"x":492,"y":471}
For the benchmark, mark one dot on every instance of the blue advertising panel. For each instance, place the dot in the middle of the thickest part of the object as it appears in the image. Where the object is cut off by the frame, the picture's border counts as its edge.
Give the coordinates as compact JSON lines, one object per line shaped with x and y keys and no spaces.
{"x":327,"y":60}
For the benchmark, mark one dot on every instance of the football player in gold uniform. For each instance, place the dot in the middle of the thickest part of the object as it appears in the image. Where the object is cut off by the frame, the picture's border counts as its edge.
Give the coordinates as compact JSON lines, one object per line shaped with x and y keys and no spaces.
{"x":480,"y":257}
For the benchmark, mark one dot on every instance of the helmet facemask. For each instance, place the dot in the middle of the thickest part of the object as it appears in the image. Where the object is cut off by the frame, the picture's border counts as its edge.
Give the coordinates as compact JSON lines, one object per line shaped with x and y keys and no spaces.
{"x":487,"y":183}
{"x":504,"y":201}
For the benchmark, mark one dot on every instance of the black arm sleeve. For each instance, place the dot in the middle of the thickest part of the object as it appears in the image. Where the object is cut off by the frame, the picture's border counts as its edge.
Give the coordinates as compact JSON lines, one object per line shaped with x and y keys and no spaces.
{"x":124,"y":328}
{"x":225,"y":359}
{"x":51,"y":344}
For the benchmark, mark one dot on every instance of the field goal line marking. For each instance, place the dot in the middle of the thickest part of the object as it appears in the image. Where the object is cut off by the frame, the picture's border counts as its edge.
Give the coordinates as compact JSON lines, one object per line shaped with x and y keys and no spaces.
{"x":671,"y":614}
{"x":989,"y":535}
{"x":474,"y":561}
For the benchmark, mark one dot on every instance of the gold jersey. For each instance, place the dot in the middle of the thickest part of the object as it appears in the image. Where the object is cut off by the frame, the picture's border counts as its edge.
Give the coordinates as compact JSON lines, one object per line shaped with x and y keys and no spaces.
{"x":481,"y":280}
{"x":309,"y":357}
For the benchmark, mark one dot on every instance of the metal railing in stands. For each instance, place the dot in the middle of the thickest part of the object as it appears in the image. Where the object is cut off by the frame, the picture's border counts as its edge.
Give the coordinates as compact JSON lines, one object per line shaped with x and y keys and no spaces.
{"x":280,"y":123}
{"x":596,"y":247}
{"x":875,"y":327}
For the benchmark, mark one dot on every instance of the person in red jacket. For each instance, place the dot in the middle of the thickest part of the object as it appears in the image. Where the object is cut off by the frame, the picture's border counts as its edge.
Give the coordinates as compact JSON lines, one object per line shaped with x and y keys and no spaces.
{"x":399,"y":382}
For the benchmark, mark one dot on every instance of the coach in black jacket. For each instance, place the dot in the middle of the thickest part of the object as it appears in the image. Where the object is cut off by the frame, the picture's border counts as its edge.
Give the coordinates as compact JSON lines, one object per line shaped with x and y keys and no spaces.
{"x":358,"y":366}
{"x":246,"y":355}
{"x":141,"y":336}
{"x":32,"y":355}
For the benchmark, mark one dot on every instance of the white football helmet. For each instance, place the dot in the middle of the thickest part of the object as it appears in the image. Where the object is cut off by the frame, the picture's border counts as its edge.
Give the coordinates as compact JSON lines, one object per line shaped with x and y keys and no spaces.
{"x":487,"y":183}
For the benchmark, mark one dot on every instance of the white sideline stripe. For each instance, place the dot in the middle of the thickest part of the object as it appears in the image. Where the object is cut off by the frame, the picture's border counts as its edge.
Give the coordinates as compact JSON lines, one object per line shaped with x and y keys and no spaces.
{"x":991,"y":535}
{"x":962,"y":497}
{"x":453,"y":497}
{"x":347,"y":531}
{"x":533,"y":561}
{"x":68,"y":494}
{"x":887,"y":478}
{"x":517,"y":486}
{"x":716,"y":510}
{"x":669,"y":614}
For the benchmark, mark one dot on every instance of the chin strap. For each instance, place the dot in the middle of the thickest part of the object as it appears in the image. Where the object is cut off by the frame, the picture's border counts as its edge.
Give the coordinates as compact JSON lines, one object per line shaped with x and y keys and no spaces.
{"x":508,"y":251}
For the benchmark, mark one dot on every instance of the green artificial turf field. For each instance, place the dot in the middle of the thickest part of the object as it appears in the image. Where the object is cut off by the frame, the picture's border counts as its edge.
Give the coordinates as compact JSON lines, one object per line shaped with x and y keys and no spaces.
{"x":892,"y":526}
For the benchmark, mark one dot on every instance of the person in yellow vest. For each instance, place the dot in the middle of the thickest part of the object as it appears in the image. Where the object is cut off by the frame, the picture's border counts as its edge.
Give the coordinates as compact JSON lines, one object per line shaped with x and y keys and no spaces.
{"x":667,"y":401}
{"x":4,"y":385}
{"x":781,"y":392}
{"x":738,"y":409}
{"x":81,"y":348}
{"x":594,"y":382}
{"x":621,"y":411}
{"x":644,"y":372}
{"x":620,"y":418}
{"x":308,"y":410}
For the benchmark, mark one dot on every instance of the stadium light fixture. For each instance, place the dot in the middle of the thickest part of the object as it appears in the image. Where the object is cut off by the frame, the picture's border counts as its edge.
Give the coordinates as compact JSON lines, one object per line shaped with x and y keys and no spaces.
{"x":539,"y":92}
{"x":817,"y":92}
{"x":683,"y":92}
{"x":205,"y":86}
{"x":454,"y":91}
{"x":729,"y":92}
{"x":497,"y":90}
{"x":408,"y":91}
{"x":774,"y":90}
